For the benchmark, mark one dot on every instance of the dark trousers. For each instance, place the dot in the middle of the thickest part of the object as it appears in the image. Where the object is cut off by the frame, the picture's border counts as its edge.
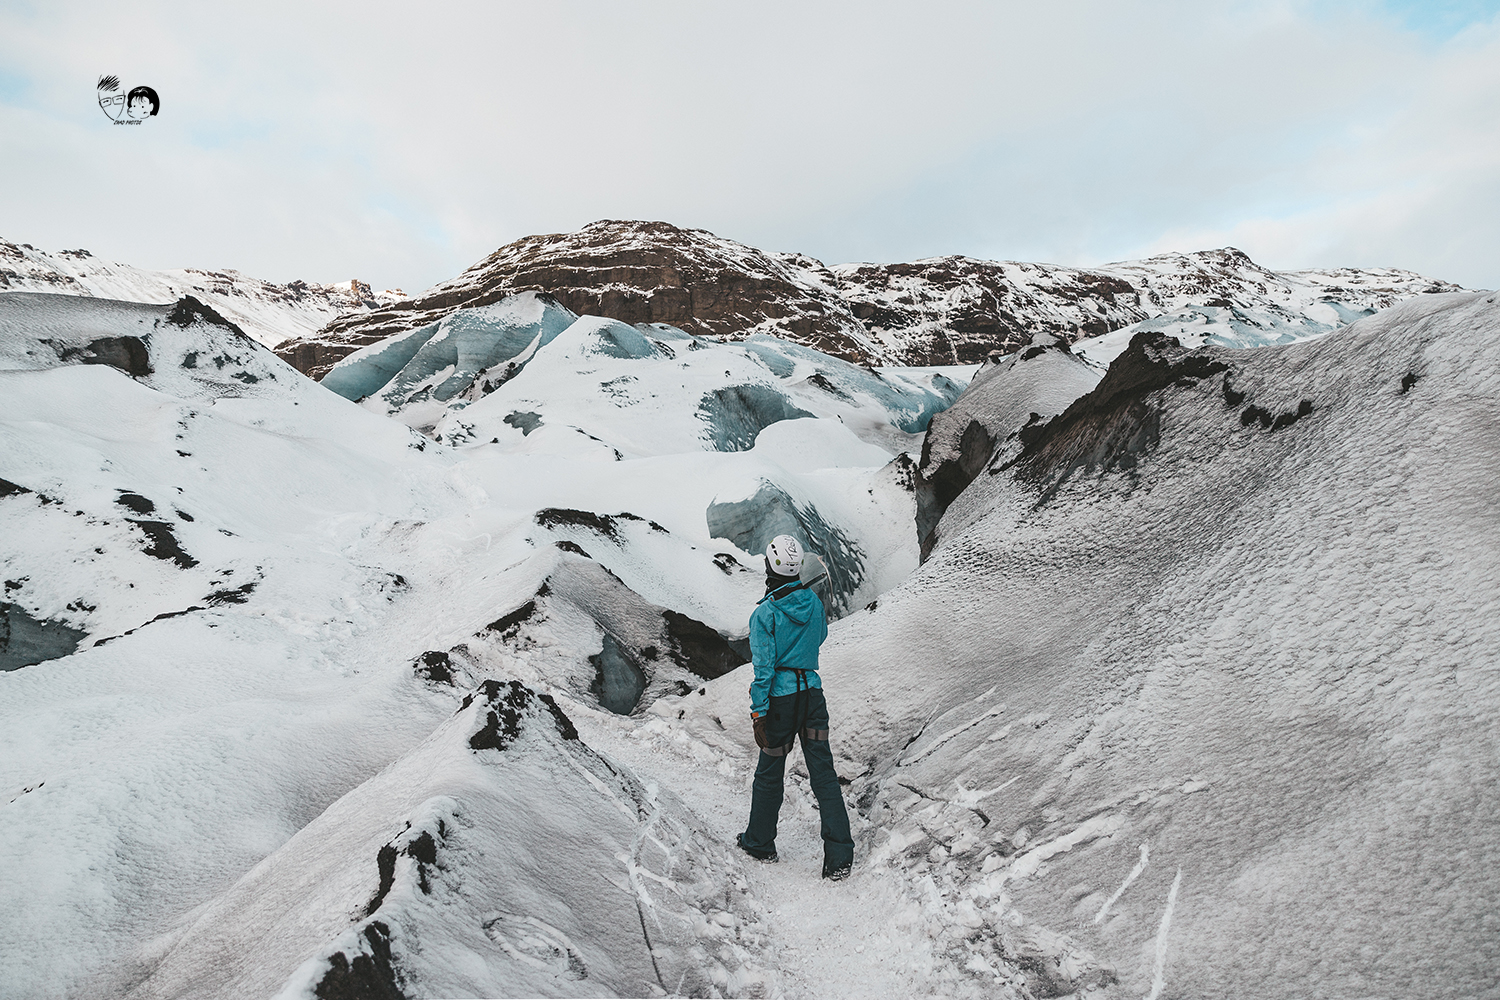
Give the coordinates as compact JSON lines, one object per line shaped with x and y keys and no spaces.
{"x":791,"y":716}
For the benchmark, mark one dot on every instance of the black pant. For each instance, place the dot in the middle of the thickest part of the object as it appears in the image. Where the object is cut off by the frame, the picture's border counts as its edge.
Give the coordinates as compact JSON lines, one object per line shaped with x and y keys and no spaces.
{"x":803,"y":714}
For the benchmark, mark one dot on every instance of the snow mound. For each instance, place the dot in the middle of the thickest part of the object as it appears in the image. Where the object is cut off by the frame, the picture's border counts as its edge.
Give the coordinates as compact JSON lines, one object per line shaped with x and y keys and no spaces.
{"x":584,"y":631}
{"x":500,"y":857}
{"x":185,"y":349}
{"x":1198,"y":675}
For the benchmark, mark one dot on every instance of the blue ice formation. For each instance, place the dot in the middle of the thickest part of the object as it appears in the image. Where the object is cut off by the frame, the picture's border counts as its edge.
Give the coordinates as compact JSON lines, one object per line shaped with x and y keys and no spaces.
{"x":735,"y":414}
{"x":485,"y":344}
{"x":26,"y":641}
{"x":618,"y":682}
{"x":751,"y":523}
{"x":911,"y":407}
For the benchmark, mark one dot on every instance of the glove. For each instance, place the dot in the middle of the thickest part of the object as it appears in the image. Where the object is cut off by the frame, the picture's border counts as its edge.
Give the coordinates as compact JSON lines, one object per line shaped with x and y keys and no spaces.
{"x":758,"y":723}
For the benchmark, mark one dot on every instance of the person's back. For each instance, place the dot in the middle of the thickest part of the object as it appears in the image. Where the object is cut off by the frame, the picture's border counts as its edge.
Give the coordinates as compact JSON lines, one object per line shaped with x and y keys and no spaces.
{"x":786,"y":700}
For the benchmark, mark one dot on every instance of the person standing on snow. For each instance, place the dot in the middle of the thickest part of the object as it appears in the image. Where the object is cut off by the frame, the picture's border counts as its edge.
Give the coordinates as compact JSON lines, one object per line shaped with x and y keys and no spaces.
{"x":786,"y":700}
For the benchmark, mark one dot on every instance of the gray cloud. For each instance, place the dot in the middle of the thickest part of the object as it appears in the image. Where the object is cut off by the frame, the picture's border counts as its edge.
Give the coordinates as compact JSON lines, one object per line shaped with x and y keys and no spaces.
{"x":322,"y":142}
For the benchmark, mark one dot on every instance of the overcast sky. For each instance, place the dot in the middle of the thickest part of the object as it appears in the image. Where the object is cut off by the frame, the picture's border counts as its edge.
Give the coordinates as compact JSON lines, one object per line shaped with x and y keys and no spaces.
{"x":401,"y":143}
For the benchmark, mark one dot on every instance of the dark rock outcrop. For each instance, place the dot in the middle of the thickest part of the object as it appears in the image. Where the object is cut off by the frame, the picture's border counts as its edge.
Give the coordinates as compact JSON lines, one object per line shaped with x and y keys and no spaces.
{"x":1115,"y":424}
{"x":1008,"y":394}
{"x":956,"y":310}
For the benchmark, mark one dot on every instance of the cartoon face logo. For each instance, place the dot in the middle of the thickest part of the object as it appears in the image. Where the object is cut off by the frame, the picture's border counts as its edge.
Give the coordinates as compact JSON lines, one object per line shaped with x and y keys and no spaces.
{"x":110,"y":98}
{"x":141,"y":103}
{"x":126,"y":108}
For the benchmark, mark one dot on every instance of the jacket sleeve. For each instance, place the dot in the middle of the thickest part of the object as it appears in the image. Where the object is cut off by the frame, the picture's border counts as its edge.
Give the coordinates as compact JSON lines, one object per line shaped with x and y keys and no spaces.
{"x":763,"y":658}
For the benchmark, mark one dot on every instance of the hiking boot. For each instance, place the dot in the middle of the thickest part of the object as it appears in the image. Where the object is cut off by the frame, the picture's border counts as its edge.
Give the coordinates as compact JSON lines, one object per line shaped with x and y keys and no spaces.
{"x":769,"y":857}
{"x":837,"y":874}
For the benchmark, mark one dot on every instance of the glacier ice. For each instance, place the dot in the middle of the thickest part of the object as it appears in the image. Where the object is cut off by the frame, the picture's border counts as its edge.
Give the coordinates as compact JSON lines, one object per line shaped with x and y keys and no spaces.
{"x":26,"y":641}
{"x":445,"y":358}
{"x":751,"y":523}
{"x":736,"y":414}
{"x":618,"y":682}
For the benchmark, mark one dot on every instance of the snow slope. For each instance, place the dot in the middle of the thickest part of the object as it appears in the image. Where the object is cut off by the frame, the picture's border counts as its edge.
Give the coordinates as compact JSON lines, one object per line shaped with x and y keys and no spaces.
{"x":268,"y":312}
{"x":277,"y":596}
{"x":1201,"y":676}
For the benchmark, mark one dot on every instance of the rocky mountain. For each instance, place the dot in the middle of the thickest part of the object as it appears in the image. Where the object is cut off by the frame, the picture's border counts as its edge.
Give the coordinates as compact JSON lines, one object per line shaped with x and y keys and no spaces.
{"x":635,"y":272}
{"x":268,"y":312}
{"x":945,"y":310}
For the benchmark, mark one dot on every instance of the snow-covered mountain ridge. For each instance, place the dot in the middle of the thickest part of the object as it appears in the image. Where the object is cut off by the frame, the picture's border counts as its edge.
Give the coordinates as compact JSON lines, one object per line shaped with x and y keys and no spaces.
{"x":942,"y":311}
{"x":269,"y":312}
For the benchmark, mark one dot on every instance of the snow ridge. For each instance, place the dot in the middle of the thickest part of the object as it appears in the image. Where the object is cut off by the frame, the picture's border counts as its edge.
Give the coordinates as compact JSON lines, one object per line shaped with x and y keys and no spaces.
{"x":268,"y":312}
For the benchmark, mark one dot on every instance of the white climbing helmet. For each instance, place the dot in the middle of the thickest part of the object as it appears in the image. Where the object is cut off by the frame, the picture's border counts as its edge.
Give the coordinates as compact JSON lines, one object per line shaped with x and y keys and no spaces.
{"x":784,"y":556}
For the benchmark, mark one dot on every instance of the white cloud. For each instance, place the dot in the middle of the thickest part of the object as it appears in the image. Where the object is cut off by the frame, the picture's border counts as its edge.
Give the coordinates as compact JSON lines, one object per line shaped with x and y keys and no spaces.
{"x":328,"y":141}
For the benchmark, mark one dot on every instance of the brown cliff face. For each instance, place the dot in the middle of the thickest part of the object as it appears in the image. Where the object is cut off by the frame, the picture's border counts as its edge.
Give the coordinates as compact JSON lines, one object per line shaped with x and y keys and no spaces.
{"x":956,"y":310}
{"x":636,"y":272}
{"x":940,"y":311}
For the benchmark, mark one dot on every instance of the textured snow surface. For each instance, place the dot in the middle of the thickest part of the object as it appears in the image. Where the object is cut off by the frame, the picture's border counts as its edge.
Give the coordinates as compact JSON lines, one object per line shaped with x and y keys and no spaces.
{"x":1223,"y":299}
{"x":1195,"y":695}
{"x":1210,"y":687}
{"x":266,"y":311}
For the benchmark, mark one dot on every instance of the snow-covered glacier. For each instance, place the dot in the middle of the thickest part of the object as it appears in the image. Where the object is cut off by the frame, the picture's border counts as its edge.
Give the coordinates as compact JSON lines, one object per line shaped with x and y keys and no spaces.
{"x":527,"y":365}
{"x":1200,"y":676}
{"x":235,"y":599}
{"x":1175,"y":679}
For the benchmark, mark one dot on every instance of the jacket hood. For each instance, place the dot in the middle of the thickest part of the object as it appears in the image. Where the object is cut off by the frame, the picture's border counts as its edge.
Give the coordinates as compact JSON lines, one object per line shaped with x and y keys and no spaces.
{"x":798,"y":605}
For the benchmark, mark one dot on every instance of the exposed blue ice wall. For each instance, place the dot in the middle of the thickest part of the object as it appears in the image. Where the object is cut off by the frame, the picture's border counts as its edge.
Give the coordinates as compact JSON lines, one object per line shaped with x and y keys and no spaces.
{"x":444,"y":358}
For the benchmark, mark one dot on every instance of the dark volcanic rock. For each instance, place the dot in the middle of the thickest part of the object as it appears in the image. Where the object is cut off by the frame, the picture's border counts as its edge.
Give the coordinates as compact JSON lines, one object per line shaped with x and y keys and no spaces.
{"x":189,"y":310}
{"x":369,"y":976}
{"x":127,"y":354}
{"x":948,"y":479}
{"x":1117,"y":423}
{"x":506,"y":705}
{"x":163,"y":542}
{"x":700,"y":648}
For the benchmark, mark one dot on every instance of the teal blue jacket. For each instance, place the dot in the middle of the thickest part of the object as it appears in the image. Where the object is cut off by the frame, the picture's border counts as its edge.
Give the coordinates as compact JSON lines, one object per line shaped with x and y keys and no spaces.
{"x":785,"y":631}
